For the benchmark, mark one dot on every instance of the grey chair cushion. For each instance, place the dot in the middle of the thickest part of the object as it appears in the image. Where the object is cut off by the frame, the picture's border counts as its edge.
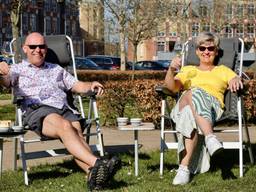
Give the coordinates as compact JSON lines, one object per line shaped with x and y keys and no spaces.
{"x":58,"y":50}
{"x":226,"y":57}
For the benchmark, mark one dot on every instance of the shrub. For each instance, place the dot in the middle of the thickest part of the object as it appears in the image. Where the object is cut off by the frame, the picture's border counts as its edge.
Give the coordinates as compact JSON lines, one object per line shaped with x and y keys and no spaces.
{"x":132,"y":99}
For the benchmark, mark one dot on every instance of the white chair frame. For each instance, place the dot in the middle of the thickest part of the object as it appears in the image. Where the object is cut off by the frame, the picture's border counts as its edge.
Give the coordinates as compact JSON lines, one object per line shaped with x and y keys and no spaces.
{"x":93,"y":116}
{"x":166,"y":110}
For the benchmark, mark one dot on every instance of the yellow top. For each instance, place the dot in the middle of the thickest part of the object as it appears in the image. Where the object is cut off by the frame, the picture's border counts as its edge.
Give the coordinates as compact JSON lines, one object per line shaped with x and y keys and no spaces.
{"x":214,"y":82}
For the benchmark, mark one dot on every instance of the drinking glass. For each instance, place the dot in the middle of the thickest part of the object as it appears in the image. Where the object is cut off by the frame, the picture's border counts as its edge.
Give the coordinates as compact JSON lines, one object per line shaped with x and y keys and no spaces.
{"x":6,"y":52}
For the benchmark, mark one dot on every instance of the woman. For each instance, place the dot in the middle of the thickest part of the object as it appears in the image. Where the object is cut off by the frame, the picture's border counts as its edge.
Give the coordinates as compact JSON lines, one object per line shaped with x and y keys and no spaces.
{"x":199,"y":106}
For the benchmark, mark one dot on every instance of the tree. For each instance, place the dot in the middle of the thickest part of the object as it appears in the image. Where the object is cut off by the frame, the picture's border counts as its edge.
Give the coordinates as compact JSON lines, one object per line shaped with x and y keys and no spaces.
{"x":143,"y":19}
{"x":16,"y":7}
{"x":119,"y":9}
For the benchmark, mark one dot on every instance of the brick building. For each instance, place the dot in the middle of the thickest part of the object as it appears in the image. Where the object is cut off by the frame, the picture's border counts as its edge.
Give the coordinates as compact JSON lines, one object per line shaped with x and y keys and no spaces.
{"x":48,"y":17}
{"x":187,"y":18}
{"x":92,"y":26}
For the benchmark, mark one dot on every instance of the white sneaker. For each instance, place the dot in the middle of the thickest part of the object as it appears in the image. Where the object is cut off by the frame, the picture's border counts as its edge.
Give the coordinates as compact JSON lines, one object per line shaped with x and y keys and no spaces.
{"x":182,"y":177}
{"x":212,"y":144}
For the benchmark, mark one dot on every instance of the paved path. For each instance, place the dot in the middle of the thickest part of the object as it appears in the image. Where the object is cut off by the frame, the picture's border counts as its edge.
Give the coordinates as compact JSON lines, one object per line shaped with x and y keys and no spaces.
{"x":5,"y":102}
{"x":114,"y":141}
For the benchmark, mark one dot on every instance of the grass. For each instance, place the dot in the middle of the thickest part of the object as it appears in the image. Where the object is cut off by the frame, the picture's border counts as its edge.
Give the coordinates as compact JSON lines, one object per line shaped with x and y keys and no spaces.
{"x":7,"y":112}
{"x":5,"y":96}
{"x":67,"y":176}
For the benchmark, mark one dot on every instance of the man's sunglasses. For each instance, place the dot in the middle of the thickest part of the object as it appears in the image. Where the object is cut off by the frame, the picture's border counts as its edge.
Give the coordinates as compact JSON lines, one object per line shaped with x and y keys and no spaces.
{"x":202,"y":48}
{"x":42,"y":46}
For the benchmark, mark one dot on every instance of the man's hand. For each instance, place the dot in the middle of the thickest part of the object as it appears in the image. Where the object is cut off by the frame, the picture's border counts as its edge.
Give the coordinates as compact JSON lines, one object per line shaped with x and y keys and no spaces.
{"x":4,"y":68}
{"x":235,"y":84}
{"x":96,"y":86}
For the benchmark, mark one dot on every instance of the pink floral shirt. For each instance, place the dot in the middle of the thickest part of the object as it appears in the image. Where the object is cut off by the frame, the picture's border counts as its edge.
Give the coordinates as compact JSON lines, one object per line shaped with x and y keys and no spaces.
{"x":41,"y":85}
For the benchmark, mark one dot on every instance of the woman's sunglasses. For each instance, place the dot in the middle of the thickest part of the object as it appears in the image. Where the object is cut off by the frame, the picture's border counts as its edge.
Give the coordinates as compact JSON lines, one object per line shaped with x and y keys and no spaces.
{"x":202,"y":48}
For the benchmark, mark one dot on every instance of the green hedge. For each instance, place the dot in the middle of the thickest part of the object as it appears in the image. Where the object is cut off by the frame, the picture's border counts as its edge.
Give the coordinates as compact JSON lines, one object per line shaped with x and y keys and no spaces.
{"x":137,"y":98}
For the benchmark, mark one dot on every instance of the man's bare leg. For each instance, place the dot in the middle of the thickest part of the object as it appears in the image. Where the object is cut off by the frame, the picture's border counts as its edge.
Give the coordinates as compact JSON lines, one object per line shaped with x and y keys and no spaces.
{"x":81,"y":164}
{"x":56,"y":126}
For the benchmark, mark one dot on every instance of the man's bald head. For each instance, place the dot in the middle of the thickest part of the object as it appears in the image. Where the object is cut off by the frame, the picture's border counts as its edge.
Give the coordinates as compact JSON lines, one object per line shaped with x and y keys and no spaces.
{"x":35,"y":48}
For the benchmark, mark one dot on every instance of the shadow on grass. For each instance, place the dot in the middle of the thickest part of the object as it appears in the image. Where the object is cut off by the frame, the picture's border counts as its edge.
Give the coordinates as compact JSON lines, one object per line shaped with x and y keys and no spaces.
{"x":167,"y":166}
{"x":125,"y":149}
{"x":228,"y":159}
{"x":62,"y":170}
{"x":59,"y":170}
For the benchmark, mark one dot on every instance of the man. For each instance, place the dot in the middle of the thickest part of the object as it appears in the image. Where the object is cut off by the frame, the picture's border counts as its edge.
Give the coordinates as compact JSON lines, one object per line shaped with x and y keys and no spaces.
{"x":43,"y":86}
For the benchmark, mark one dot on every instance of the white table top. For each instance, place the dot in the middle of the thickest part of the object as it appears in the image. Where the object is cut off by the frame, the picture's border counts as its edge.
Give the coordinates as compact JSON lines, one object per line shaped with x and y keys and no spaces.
{"x":142,"y":127}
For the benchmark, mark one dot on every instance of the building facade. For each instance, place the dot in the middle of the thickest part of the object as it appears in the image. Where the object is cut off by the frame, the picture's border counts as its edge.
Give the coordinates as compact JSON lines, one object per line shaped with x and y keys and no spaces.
{"x":92,"y":26}
{"x":186,"y":19}
{"x":49,"y":17}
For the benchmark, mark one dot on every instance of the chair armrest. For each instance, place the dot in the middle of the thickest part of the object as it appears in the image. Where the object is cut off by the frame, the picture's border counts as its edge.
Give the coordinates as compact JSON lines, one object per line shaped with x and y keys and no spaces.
{"x":89,"y":93}
{"x":164,"y":91}
{"x":17,"y":100}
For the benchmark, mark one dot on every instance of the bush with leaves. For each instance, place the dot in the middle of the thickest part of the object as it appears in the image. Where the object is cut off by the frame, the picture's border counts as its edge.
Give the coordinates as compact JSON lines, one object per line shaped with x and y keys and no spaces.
{"x":250,"y":101}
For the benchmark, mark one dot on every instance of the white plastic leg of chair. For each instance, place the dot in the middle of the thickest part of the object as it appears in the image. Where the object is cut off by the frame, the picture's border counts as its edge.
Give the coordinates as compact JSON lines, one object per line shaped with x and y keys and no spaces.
{"x":23,"y":158}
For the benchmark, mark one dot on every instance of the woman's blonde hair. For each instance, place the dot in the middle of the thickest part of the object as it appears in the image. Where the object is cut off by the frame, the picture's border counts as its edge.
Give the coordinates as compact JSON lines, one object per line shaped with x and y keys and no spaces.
{"x":207,"y":37}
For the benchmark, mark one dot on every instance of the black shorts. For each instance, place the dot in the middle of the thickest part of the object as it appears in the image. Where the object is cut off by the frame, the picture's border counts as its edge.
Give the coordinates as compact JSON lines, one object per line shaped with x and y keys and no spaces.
{"x":34,"y":116}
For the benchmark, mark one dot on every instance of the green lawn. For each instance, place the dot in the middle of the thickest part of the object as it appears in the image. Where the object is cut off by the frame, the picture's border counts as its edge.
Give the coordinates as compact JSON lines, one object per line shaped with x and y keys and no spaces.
{"x":67,"y":177}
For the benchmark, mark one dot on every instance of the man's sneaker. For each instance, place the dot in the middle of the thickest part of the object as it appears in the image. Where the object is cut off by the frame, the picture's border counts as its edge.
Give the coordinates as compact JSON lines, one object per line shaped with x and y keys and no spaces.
{"x":114,"y":164}
{"x":98,"y":176}
{"x":182,"y":177}
{"x":213,"y":145}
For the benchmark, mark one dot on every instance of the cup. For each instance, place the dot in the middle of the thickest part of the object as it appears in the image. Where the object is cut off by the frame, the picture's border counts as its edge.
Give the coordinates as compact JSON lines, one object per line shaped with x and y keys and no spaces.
{"x":122,"y":121}
{"x":5,"y":125}
{"x":136,"y":121}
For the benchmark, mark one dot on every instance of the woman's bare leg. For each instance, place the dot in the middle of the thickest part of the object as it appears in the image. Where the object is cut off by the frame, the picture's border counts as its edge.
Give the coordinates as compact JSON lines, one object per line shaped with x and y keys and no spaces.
{"x":205,"y":126}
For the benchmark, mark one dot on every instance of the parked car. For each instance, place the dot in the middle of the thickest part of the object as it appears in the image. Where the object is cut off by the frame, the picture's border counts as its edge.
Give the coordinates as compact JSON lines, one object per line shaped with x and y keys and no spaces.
{"x":7,"y":60}
{"x":106,"y":62}
{"x":149,"y":65}
{"x":84,"y":63}
{"x":165,"y":63}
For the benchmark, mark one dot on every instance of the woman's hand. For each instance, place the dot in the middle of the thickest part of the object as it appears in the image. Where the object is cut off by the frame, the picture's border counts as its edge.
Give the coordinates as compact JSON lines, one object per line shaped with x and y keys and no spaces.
{"x":175,"y":64}
{"x":235,"y":84}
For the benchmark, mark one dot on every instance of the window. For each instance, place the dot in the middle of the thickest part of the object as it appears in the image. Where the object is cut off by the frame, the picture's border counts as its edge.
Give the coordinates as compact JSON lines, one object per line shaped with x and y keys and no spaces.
{"x":205,"y":27}
{"x":173,"y":34}
{"x":54,"y":26}
{"x":250,"y":30}
{"x":160,"y":46}
{"x":68,"y":29}
{"x":228,"y":12}
{"x":240,"y":30}
{"x":228,"y":31}
{"x":48,"y":26}
{"x":1,"y":17}
{"x":160,"y":34}
{"x":33,"y":2}
{"x":195,"y":29}
{"x":240,"y":10}
{"x":33,"y":22}
{"x":25,"y":21}
{"x":58,"y":25}
{"x":251,"y":10}
{"x":203,"y":11}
